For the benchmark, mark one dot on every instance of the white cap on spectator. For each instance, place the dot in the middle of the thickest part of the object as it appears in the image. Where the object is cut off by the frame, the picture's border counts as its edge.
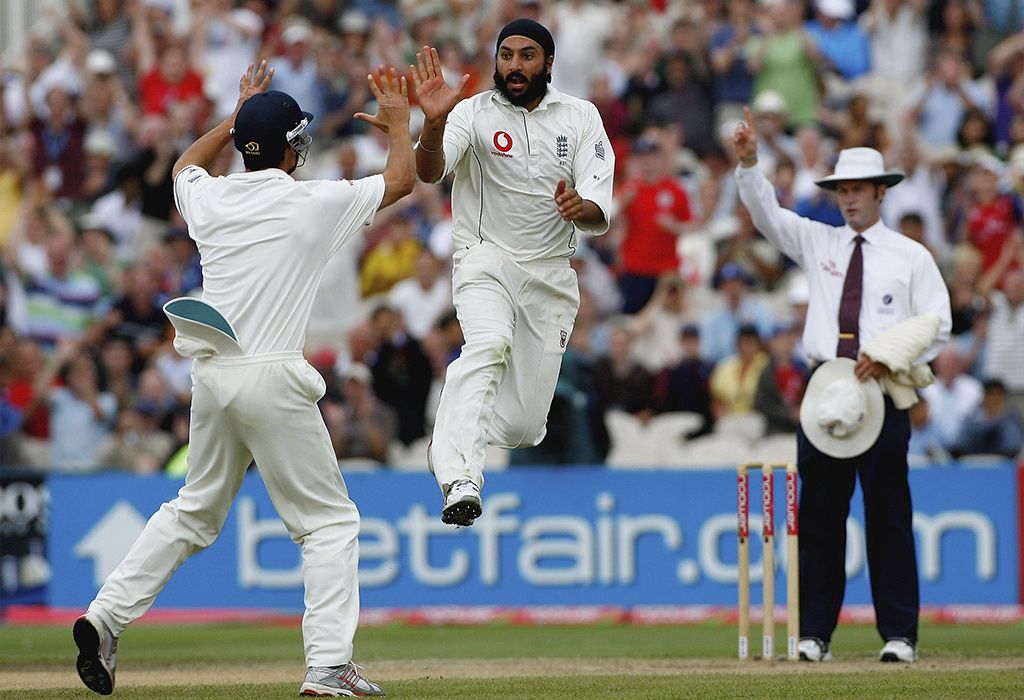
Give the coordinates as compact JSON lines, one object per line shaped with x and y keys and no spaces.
{"x":62,"y":80}
{"x":425,"y":10}
{"x":100,"y":61}
{"x":359,"y":372}
{"x":100,"y":142}
{"x":354,"y":22}
{"x":836,"y":9}
{"x":989,"y":163}
{"x":296,"y":33}
{"x":770,"y":102}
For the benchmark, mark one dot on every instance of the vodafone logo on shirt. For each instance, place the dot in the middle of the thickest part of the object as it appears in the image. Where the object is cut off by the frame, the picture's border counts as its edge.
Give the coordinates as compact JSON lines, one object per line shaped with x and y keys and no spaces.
{"x":503,"y":143}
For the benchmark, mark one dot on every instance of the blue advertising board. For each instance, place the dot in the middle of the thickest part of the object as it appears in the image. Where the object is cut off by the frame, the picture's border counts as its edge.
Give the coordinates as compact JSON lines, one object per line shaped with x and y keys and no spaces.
{"x":558,"y":536}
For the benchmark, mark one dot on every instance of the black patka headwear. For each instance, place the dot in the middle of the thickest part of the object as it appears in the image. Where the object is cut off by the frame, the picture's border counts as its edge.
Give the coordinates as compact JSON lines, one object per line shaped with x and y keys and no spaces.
{"x":535,"y":31}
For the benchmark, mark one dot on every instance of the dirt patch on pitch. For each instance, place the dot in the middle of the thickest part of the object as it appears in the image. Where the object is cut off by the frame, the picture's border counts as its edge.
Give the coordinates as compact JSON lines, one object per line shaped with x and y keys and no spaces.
{"x":384,"y":671}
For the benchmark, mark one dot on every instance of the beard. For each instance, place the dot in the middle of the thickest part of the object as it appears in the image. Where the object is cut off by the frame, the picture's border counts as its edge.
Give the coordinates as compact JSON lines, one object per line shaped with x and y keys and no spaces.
{"x":535,"y":89}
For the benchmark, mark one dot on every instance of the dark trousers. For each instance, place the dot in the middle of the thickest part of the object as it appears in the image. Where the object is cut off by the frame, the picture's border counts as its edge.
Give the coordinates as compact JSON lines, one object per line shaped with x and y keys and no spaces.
{"x":826,"y":488}
{"x":636,"y":290}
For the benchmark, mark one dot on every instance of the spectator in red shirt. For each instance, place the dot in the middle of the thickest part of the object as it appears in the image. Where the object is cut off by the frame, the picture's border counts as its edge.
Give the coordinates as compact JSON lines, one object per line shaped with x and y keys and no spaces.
{"x":993,"y":218}
{"x":166,"y":78}
{"x":654,"y":210}
{"x":28,"y":363}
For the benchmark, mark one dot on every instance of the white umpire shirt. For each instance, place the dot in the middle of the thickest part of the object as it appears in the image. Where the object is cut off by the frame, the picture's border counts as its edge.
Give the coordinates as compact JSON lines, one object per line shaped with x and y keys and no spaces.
{"x":508,"y":162}
{"x":901,"y":278}
{"x":264,"y":240}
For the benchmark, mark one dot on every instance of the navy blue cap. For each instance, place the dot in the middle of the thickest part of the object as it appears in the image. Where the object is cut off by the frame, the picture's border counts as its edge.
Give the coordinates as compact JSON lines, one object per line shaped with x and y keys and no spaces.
{"x":732,"y":271}
{"x":748,"y":329}
{"x":645,"y":145}
{"x":262,"y":125}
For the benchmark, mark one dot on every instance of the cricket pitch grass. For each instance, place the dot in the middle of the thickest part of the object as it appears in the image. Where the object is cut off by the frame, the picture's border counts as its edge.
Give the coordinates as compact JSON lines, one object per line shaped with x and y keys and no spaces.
{"x":506,"y":661}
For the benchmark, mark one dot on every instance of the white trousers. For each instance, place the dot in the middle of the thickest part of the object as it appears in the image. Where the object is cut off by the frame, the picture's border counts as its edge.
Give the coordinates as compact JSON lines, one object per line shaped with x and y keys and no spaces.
{"x":516,"y":318}
{"x":260,"y":408}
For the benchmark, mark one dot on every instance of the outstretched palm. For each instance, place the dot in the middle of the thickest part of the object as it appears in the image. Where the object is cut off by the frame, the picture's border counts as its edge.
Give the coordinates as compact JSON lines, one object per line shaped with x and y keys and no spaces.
{"x":255,"y":81}
{"x":392,"y":94}
{"x":436,"y":98}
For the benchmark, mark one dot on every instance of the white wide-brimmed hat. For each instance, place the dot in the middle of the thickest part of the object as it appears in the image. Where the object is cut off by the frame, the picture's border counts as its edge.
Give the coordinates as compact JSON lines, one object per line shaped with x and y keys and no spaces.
{"x":841,"y":415}
{"x":860,"y":164}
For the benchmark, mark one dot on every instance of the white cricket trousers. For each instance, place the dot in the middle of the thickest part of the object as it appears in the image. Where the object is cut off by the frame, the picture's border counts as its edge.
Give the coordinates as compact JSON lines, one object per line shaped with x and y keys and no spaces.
{"x":260,"y":408}
{"x":516,"y":318}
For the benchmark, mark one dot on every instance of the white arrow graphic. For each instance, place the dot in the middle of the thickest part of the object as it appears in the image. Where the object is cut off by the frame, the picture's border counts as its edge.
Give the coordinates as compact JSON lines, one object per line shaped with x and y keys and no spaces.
{"x":110,"y":539}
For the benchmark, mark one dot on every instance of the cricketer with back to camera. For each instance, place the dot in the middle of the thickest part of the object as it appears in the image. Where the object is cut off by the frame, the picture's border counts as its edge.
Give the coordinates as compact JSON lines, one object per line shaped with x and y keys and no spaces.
{"x":532,"y":167}
{"x":264,"y":240}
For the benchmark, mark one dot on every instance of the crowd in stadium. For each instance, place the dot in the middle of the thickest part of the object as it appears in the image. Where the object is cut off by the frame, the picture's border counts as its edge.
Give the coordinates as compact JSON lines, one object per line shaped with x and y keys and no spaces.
{"x":685,"y":308}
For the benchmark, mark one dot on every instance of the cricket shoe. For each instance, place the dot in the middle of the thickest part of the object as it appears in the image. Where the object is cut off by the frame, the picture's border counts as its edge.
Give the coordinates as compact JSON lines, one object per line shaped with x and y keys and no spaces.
{"x":97,"y":653}
{"x":462,"y":503}
{"x":898,"y":650}
{"x":813,"y":649}
{"x":345,"y":681}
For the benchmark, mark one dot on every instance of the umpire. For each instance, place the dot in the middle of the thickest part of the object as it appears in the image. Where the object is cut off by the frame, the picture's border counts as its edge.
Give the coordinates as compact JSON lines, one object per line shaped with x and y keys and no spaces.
{"x":864,"y":278}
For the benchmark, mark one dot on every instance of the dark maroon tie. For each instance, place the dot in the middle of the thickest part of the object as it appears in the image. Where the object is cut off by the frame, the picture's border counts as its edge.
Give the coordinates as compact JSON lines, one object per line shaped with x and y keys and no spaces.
{"x":849,"y":305}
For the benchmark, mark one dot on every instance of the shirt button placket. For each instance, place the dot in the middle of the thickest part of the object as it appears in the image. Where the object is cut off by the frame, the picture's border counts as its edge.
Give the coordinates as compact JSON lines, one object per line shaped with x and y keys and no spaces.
{"x":533,"y":168}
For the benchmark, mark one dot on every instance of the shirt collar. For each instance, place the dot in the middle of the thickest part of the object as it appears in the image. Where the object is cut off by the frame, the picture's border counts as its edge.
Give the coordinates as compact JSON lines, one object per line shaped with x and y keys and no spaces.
{"x":265,"y":174}
{"x":869,"y":234}
{"x":550,"y":97}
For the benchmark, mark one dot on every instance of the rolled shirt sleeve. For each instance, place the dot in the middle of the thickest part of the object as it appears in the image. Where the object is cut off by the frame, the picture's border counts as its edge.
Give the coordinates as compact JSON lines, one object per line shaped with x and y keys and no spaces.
{"x":593,"y":168}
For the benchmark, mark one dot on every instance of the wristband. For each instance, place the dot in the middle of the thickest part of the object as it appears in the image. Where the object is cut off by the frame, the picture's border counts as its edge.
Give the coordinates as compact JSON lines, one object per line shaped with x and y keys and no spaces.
{"x":419,"y":145}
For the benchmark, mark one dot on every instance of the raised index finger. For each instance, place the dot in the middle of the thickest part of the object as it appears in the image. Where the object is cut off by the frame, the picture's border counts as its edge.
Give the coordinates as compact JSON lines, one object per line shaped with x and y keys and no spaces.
{"x":748,"y":116}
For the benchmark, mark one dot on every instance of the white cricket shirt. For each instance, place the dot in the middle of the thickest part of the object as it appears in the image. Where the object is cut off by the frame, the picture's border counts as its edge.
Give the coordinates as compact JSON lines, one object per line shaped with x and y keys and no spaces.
{"x":264,"y":240}
{"x":901,"y":278}
{"x":508,"y":162}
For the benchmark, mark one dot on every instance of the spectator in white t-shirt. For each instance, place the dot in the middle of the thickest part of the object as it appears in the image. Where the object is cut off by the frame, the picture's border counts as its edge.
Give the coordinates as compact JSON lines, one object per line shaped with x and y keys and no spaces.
{"x":954,"y":395}
{"x":422,"y":299}
{"x":1004,"y":359}
{"x":223,"y":38}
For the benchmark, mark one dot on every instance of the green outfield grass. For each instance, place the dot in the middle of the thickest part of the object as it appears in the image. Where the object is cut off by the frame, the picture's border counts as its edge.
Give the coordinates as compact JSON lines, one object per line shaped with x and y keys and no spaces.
{"x":598,"y":661}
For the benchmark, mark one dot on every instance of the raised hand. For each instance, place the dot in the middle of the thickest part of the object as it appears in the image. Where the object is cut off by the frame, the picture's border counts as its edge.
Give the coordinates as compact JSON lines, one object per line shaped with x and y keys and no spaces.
{"x":435,"y":97}
{"x":392,"y":94}
{"x":254,"y":82}
{"x":744,"y":140}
